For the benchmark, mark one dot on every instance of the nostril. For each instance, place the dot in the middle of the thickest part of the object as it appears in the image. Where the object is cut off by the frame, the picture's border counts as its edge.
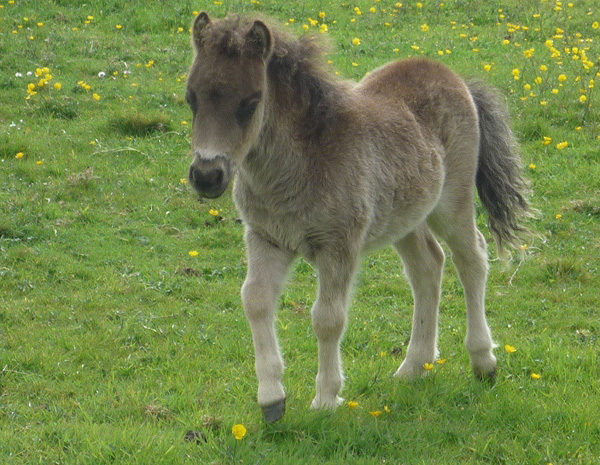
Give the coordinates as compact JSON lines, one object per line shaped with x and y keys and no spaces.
{"x":218,"y":177}
{"x":206,"y":180}
{"x":210,"y":177}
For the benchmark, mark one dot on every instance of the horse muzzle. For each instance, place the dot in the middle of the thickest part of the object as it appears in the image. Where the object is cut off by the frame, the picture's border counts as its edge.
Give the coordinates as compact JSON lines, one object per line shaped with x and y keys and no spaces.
{"x":210,"y":177}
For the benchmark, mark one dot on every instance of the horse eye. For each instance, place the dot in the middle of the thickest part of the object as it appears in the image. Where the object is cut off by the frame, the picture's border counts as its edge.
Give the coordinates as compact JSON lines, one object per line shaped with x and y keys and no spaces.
{"x":247,"y":108}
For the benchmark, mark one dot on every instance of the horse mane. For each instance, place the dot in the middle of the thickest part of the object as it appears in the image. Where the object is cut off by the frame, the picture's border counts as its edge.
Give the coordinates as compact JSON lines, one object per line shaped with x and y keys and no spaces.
{"x":297,"y":68}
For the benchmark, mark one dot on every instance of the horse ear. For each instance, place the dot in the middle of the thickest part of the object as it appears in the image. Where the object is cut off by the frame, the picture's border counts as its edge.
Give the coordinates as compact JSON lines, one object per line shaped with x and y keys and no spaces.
{"x":200,"y":23}
{"x":261,"y":39}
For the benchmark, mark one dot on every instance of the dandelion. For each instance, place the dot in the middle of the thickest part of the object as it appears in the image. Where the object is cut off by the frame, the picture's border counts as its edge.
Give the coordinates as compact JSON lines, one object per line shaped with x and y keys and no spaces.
{"x":19,"y":155}
{"x":119,"y":27}
{"x":387,"y":409}
{"x":356,"y":41}
{"x":352,"y":405}
{"x":97,"y":97}
{"x":40,"y":162}
{"x":536,"y":376}
{"x":596,"y":25}
{"x":510,"y":349}
{"x":487,"y":68}
{"x":424,"y":27}
{"x":562,"y":77}
{"x":213,"y":212}
{"x":428,"y":366}
{"x":562,"y":145}
{"x":559,"y":216}
{"x":239,"y":431}
{"x":532,"y":166}
{"x":376,"y":413}
{"x":193,"y":253}
{"x":524,"y":247}
{"x":516,"y":74}
{"x":322,"y":14}
{"x":442,"y":361}
{"x":583,"y":99}
{"x":183,"y":181}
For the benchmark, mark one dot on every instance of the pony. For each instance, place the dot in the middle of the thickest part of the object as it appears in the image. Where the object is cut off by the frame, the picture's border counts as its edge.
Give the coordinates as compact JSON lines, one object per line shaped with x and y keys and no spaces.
{"x":330,"y":169}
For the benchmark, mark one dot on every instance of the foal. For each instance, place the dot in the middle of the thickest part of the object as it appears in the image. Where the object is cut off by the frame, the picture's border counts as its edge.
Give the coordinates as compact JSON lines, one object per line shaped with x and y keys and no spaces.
{"x":329,"y":169}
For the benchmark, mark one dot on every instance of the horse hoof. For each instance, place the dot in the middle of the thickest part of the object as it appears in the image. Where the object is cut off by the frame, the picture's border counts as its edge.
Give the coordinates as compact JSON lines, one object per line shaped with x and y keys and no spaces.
{"x":489,"y":377}
{"x":274,"y":412}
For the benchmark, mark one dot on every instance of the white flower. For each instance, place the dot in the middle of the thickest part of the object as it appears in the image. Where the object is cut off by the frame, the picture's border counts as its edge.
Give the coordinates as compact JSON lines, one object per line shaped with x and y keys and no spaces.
{"x":19,"y":75}
{"x":101,"y":74}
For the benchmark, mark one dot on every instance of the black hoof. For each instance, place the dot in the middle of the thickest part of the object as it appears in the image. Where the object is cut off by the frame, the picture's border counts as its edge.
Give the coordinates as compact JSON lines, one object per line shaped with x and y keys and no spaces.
{"x":487,"y":377}
{"x":274,"y":412}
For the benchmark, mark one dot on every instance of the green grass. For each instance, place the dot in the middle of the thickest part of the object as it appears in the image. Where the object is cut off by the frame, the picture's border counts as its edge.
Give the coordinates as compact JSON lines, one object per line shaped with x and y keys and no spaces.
{"x":115,"y":341}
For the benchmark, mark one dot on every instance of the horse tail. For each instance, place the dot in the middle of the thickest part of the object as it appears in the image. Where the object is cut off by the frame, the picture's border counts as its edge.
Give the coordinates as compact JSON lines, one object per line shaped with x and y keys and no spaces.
{"x":502,"y":188}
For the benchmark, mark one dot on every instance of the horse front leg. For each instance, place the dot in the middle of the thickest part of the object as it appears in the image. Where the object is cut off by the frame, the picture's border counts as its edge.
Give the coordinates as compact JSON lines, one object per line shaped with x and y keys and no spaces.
{"x":329,"y":314}
{"x":268,"y":267}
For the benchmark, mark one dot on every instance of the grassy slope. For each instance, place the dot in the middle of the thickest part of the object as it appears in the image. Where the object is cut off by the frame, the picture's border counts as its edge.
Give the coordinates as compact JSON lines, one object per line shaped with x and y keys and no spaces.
{"x":115,"y":341}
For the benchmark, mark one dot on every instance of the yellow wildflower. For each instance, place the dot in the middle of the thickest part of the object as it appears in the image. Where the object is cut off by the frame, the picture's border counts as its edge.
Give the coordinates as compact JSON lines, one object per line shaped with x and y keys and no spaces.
{"x":376,"y":413}
{"x":562,"y":145}
{"x":428,"y":366}
{"x":536,"y":376}
{"x":19,"y":155}
{"x":510,"y":349}
{"x":239,"y":431}
{"x":356,"y":41}
{"x":193,"y":253}
{"x":213,"y":212}
{"x":352,"y":404}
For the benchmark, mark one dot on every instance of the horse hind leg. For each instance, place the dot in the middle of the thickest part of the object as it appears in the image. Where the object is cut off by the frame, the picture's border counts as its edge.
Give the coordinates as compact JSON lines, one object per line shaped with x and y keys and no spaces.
{"x":423,"y":262}
{"x":469,"y":254}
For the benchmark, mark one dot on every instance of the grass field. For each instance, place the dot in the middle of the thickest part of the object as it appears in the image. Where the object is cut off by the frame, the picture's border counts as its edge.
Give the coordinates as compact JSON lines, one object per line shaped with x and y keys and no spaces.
{"x":122,"y":338}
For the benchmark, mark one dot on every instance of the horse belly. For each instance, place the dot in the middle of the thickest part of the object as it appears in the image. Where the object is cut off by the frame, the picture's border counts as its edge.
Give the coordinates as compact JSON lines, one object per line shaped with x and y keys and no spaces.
{"x":406,"y":203}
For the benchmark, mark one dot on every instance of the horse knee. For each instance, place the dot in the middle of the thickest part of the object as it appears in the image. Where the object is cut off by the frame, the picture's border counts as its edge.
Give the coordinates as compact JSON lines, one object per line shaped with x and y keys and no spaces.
{"x":329,"y":323}
{"x":257,"y":298}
